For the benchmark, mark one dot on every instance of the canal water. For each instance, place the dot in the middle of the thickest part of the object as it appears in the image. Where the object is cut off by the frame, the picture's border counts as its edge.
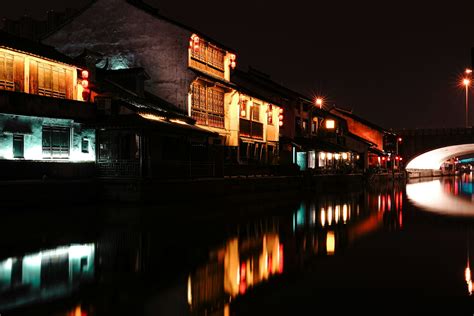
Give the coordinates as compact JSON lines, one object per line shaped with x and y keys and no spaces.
{"x":391,"y":248}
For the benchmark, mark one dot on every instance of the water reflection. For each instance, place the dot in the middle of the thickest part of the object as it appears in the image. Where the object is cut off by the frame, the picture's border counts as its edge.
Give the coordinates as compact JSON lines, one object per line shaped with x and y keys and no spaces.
{"x":448,"y":196}
{"x":238,"y":266}
{"x":45,"y":274}
{"x":248,"y":255}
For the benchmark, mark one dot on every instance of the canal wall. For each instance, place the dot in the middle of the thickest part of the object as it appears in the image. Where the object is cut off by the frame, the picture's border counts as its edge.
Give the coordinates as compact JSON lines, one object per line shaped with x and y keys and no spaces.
{"x":233,"y":190}
{"x":424,"y":173}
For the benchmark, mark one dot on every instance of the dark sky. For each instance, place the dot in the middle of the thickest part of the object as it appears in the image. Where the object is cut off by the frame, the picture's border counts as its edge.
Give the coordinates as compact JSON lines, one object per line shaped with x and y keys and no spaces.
{"x":397,"y":64}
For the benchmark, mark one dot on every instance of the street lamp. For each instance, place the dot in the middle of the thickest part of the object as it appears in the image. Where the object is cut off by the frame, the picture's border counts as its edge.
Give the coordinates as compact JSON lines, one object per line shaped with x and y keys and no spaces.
{"x":319,"y":102}
{"x":466,"y":82}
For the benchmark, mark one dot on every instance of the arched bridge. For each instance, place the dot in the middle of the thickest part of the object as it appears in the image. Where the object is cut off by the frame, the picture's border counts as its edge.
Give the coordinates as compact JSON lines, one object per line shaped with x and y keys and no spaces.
{"x":429,"y":148}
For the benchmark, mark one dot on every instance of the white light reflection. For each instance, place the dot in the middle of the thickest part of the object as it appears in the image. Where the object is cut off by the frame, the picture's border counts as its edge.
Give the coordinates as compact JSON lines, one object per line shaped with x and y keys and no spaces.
{"x":430,"y":196}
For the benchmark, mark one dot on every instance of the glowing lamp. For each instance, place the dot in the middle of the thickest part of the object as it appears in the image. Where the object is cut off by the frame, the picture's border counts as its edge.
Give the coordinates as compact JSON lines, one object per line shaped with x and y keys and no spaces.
{"x":330,"y":124}
{"x":322,"y":155}
{"x":383,"y":158}
{"x":242,"y":113}
{"x":319,"y":102}
{"x":337,"y":156}
{"x":466,"y":81}
{"x":329,"y":156}
{"x":232,"y":61}
{"x":344,"y":156}
{"x":467,"y":274}
{"x":280,"y":117}
{"x":85,"y":74}
{"x":401,"y":158}
{"x":399,"y":139}
{"x":194,"y":43}
{"x":397,"y":158}
{"x":85,"y":84}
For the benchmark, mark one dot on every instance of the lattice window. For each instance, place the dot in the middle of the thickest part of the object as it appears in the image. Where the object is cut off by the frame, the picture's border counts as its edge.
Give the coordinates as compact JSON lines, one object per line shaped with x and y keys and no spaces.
{"x":51,"y":81}
{"x":6,"y":72}
{"x":215,"y":57}
{"x":207,"y":106}
{"x":215,"y":101}
{"x":199,"y":96}
{"x":56,"y":142}
{"x":209,"y":54}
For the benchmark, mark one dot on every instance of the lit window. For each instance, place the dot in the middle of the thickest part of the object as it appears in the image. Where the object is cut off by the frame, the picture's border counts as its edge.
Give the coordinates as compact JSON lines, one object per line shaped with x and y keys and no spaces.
{"x":330,"y":124}
{"x":255,"y":112}
{"x":51,"y":81}
{"x":56,"y":142}
{"x":207,"y":53}
{"x":207,"y":106}
{"x":85,"y":145}
{"x":18,"y":146}
{"x":6,"y":72}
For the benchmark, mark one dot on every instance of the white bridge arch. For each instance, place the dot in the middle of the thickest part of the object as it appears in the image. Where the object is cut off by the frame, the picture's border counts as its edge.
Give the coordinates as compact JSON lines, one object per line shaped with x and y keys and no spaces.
{"x":433,"y":159}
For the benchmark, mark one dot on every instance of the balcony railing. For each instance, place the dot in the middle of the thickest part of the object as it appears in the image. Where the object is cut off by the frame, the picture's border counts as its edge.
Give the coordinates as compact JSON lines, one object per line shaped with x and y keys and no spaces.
{"x":251,"y":129}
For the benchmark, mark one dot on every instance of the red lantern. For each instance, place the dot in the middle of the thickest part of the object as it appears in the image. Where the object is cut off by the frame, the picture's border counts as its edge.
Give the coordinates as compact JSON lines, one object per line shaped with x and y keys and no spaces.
{"x":85,"y":84}
{"x":194,"y":43}
{"x":85,"y":74}
{"x":280,"y":117}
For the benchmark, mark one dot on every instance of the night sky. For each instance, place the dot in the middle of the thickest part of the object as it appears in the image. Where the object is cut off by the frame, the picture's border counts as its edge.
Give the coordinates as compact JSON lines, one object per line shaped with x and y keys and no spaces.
{"x":394,"y":63}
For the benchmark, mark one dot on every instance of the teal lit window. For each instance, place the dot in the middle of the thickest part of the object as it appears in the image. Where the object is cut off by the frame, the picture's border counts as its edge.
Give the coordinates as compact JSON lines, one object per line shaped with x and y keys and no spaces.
{"x":18,"y":146}
{"x":56,"y":142}
{"x":85,"y":145}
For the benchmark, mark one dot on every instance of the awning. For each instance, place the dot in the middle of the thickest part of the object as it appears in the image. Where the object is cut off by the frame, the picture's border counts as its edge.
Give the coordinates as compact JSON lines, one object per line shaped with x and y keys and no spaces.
{"x":135,"y":121}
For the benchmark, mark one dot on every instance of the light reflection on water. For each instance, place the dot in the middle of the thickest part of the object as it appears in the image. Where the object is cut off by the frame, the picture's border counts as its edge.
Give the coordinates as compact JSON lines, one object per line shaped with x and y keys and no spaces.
{"x":253,"y":253}
{"x":447,"y":196}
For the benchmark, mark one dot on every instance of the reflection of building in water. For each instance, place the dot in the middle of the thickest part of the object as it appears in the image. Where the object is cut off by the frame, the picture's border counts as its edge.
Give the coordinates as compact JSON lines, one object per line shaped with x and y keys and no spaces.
{"x":236,"y":267}
{"x":45,"y":275}
{"x":459,"y":186}
{"x":322,"y":227}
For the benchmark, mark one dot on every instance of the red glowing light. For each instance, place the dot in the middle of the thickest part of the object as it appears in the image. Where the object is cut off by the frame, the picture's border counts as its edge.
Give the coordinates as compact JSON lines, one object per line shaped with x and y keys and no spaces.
{"x":232,"y":64}
{"x":383,"y":158}
{"x":280,"y":111}
{"x":401,"y":158}
{"x":280,"y":117}
{"x":399,"y":139}
{"x":243,"y":271}
{"x":280,"y":123}
{"x":270,"y":263}
{"x":397,"y":158}
{"x":280,"y":264}
{"x":85,"y":84}
{"x":85,"y":74}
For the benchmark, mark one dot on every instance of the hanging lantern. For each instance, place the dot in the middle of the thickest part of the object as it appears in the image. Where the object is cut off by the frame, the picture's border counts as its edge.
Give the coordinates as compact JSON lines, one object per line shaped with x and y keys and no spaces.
{"x":194,"y":43}
{"x":280,"y":117}
{"x":233,"y":63}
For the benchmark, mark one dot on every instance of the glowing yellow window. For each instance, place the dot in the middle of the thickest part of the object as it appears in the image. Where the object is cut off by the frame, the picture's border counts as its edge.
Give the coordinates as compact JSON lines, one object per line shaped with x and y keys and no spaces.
{"x":330,"y":124}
